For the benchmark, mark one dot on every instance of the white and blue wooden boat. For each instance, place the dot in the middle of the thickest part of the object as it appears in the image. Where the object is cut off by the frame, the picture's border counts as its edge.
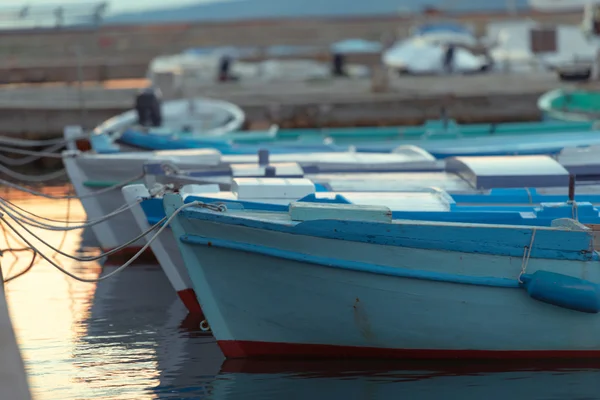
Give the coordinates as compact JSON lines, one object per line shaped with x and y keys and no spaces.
{"x":93,"y":174}
{"x":350,"y":281}
{"x":273,"y":194}
{"x":500,"y":179}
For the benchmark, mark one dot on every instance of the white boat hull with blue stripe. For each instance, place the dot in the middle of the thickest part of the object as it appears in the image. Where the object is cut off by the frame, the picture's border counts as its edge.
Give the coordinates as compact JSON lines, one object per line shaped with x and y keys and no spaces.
{"x":274,"y":194}
{"x":92,"y":174}
{"x":361,"y":285}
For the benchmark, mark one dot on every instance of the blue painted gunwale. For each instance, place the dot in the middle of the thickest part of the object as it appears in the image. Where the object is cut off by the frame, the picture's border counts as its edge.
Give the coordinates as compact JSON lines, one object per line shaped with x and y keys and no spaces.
{"x":541,"y":215}
{"x":482,"y":239}
{"x":156,"y":142}
{"x":510,"y":146}
{"x":551,"y":287}
{"x":353,"y":265}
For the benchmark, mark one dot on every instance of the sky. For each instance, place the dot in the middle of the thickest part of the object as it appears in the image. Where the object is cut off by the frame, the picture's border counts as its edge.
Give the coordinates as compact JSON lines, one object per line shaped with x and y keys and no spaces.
{"x":115,"y":6}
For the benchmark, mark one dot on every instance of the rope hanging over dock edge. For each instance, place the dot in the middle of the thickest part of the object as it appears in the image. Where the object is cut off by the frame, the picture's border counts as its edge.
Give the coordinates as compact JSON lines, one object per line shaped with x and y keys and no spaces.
{"x":90,"y":195}
{"x":166,"y":220}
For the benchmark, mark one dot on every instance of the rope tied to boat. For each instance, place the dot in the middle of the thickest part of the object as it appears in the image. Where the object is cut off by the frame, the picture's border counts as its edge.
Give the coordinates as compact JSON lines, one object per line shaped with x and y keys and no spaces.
{"x":90,"y":195}
{"x":22,"y":216}
{"x":90,"y":223}
{"x":32,"y":178}
{"x":529,"y":195}
{"x":526,"y":255}
{"x":164,"y":222}
{"x":48,"y":152}
{"x":40,"y":143}
{"x":23,"y":219}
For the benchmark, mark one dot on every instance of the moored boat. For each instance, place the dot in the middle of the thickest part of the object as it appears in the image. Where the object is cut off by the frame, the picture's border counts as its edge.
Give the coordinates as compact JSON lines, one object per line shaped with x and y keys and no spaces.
{"x":570,"y":105}
{"x":443,"y":137}
{"x":275,"y":194}
{"x":349,"y":281}
{"x":204,"y":123}
{"x":94,"y":175}
{"x":504,"y":179}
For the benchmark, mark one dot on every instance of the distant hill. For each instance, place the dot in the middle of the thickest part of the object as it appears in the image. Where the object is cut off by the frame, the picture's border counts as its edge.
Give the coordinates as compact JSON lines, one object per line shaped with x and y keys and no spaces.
{"x":259,"y":9}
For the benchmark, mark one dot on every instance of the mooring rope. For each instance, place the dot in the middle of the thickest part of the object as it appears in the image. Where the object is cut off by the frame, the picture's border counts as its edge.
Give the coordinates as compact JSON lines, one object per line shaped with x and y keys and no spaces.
{"x":65,"y":232}
{"x":526,"y":255}
{"x":27,"y":217}
{"x":7,"y":241}
{"x":90,"y":195}
{"x":32,"y":178}
{"x":83,"y":258}
{"x":21,"y":212}
{"x":40,"y":143}
{"x":24,"y":219}
{"x":165,"y":222}
{"x":48,"y":152}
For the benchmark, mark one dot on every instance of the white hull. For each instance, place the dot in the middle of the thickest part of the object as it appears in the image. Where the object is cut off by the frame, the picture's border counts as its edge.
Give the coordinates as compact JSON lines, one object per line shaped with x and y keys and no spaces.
{"x":165,"y":250}
{"x":113,"y":232}
{"x":260,"y":304}
{"x":117,"y":168}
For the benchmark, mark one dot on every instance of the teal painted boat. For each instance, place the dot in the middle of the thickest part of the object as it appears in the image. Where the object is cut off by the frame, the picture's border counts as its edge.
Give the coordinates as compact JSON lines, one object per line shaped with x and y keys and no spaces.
{"x":429,"y":135}
{"x":571,"y":105}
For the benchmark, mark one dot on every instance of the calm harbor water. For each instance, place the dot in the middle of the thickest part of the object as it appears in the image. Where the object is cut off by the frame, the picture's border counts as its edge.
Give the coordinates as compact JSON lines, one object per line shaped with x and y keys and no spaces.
{"x":128,"y":338}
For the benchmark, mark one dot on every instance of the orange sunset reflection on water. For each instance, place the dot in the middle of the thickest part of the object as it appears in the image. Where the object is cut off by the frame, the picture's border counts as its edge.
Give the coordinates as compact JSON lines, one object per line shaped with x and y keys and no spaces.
{"x":50,"y":313}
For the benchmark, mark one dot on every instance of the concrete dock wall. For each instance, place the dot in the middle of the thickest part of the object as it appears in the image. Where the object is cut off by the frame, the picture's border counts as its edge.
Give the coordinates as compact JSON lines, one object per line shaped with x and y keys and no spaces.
{"x":44,"y":111}
{"x":125,"y":51}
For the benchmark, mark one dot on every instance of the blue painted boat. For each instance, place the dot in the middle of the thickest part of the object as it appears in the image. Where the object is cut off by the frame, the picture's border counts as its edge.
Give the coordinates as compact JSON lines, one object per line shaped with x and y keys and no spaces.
{"x":332,"y":280}
{"x":93,"y":175}
{"x":443,"y":138}
{"x":275,"y":195}
{"x":498,"y":180}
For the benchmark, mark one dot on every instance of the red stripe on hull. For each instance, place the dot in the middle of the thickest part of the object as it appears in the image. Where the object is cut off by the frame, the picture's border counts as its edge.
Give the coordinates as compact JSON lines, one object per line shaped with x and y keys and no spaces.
{"x":251,"y":349}
{"x":124,"y":255}
{"x":190,"y":301}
